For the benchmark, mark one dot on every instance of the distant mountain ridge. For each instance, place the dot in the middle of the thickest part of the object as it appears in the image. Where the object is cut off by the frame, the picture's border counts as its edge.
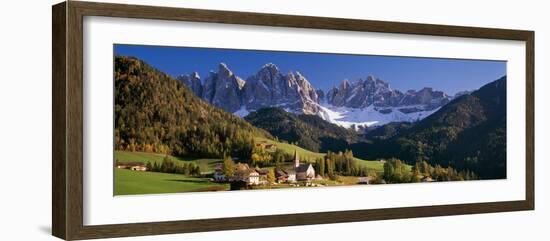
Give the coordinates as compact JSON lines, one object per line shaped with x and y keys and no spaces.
{"x":373,"y":91}
{"x":469,"y":133}
{"x":364,"y":102}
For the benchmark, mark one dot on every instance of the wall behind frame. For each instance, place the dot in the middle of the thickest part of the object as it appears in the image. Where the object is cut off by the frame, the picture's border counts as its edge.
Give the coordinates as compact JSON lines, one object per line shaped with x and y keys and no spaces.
{"x":25,"y":126}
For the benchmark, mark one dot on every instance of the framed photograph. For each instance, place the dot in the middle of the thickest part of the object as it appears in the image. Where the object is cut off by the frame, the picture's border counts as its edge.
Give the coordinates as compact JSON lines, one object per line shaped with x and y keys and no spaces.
{"x":171,"y":120}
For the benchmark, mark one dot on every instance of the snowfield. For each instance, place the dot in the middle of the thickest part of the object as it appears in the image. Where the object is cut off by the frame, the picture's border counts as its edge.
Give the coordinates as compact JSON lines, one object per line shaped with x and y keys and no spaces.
{"x":367,"y":117}
{"x":242,"y":112}
{"x":361,"y":117}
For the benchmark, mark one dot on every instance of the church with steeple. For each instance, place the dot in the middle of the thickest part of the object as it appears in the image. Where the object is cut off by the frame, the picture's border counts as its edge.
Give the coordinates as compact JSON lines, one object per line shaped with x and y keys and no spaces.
{"x":304,"y":171}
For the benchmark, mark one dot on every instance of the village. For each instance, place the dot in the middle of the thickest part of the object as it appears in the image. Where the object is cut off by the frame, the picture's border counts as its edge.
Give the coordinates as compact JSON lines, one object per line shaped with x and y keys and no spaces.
{"x":300,"y":174}
{"x":333,"y":169}
{"x":295,"y":173}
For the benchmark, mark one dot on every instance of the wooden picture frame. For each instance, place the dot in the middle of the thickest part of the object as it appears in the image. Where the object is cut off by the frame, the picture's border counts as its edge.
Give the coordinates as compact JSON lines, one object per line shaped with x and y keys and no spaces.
{"x":67,"y":123}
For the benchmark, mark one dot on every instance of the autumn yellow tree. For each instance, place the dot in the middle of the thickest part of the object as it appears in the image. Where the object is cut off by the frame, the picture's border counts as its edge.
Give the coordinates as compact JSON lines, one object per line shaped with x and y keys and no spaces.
{"x":271,"y":176}
{"x":228,"y":167}
{"x":260,"y":156}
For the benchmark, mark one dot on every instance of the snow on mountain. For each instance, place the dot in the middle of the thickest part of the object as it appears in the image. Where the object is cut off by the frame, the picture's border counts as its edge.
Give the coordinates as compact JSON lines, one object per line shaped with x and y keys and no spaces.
{"x":362,"y":102}
{"x":370,"y":116}
{"x":242,"y":112}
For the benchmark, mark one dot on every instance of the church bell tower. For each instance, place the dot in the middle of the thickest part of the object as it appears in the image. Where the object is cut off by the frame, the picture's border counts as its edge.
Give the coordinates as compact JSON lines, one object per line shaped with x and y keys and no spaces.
{"x":296,"y":159}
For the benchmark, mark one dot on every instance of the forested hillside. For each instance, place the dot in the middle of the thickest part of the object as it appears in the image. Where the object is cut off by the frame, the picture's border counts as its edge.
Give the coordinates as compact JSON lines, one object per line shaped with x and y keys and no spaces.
{"x":307,"y":131}
{"x":157,"y":113}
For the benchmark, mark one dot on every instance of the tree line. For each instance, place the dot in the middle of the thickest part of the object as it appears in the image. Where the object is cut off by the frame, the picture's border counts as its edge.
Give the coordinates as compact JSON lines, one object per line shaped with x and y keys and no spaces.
{"x":261,"y":157}
{"x":341,"y":163}
{"x":396,"y":171}
{"x":169,"y":166}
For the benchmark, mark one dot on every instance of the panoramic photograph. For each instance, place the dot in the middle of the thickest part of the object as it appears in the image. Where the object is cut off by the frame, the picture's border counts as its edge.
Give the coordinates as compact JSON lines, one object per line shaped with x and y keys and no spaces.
{"x":191,"y":119}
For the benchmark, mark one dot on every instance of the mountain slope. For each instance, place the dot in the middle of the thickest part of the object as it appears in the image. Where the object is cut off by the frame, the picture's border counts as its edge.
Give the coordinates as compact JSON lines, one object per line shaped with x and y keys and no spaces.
{"x":307,"y":131}
{"x":364,"y":102}
{"x":271,"y":88}
{"x":386,"y":131}
{"x":223,"y":89}
{"x":468,"y":133}
{"x":157,"y":113}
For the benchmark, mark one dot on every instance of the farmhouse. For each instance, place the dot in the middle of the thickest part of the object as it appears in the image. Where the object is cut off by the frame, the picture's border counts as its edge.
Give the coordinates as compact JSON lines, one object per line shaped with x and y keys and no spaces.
{"x":263,"y":175}
{"x":242,"y":173}
{"x":281,"y":176}
{"x":250,"y":176}
{"x":134,"y":166}
{"x":285,"y":176}
{"x":267,"y":146}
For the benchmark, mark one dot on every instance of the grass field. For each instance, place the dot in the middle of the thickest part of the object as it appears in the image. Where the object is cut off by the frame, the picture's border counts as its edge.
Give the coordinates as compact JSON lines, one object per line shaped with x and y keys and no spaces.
{"x":136,"y":182}
{"x":304,"y":154}
{"x":206,"y":165}
{"x":377,"y":166}
{"x":289,"y":148}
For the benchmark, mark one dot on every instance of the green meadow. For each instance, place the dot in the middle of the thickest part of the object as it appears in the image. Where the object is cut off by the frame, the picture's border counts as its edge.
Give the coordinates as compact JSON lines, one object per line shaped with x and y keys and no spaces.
{"x":136,"y":182}
{"x":129,"y":182}
{"x":206,"y":165}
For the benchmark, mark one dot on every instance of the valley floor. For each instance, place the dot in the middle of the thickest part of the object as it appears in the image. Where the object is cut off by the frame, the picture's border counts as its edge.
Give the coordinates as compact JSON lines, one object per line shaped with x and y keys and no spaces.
{"x":130,"y":182}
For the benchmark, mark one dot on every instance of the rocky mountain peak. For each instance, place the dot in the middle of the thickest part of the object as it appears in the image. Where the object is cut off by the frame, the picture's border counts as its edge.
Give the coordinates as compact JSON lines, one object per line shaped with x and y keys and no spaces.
{"x":426,"y":90}
{"x":374,"y":91}
{"x":271,"y":66}
{"x":269,"y":69}
{"x":269,"y":87}
{"x":195,"y":75}
{"x":192,"y":81}
{"x":223,"y":89}
{"x":371,"y":78}
{"x":344,"y":85}
{"x":223,"y":71}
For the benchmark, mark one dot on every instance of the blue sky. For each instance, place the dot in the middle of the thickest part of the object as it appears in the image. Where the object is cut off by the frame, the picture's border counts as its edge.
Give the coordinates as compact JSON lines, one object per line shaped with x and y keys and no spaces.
{"x":325,"y":70}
